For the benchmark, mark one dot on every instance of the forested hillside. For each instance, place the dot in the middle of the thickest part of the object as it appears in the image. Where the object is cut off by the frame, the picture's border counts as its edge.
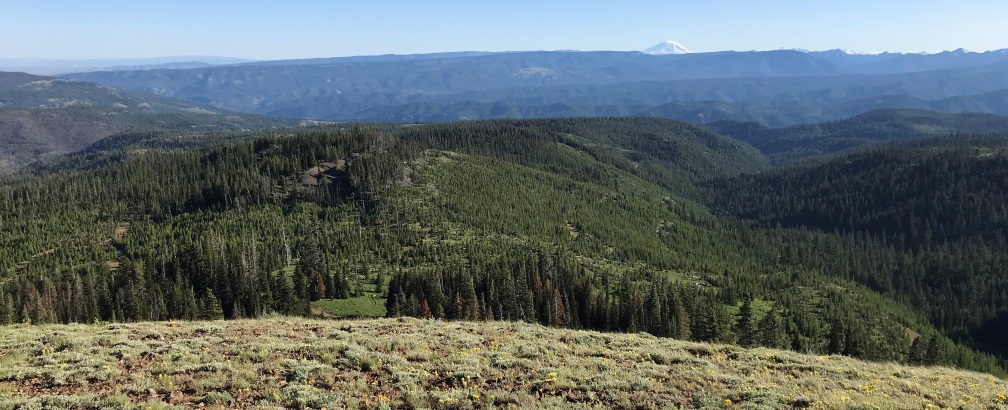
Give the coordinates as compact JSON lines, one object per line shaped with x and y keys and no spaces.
{"x":587,"y":223}
{"x":820,"y":139}
{"x":770,"y":113}
{"x":929,"y":220}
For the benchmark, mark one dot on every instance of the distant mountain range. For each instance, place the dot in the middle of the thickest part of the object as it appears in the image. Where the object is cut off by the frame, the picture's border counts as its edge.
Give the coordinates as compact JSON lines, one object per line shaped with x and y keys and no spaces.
{"x":888,"y":63}
{"x":42,"y":66}
{"x":775,"y":88}
{"x":780,"y":87}
{"x":45,"y":116}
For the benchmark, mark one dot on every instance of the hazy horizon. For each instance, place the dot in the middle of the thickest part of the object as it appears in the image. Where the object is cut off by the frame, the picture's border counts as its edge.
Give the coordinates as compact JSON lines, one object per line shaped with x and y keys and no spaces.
{"x":263,"y":30}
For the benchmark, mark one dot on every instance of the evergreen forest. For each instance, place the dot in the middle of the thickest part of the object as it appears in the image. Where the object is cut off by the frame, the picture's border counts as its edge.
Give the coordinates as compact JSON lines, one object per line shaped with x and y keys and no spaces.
{"x":887,"y":247}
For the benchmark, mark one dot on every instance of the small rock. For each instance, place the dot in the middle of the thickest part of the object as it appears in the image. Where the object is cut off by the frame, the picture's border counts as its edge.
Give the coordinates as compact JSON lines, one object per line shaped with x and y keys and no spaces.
{"x":176,"y":397}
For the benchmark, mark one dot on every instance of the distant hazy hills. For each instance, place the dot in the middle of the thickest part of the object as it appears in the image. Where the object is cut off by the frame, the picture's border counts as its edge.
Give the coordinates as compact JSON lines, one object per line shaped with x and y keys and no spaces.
{"x":805,"y":141}
{"x":776,"y":88}
{"x":779,"y":87}
{"x":776,"y":113}
{"x":341,"y":90}
{"x":43,"y":66}
{"x":889,"y":63}
{"x":41,"y":116}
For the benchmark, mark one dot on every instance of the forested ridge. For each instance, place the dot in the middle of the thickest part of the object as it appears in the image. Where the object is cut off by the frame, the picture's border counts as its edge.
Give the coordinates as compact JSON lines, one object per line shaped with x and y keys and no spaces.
{"x":930,"y":218}
{"x":805,"y":141}
{"x":597,"y":223}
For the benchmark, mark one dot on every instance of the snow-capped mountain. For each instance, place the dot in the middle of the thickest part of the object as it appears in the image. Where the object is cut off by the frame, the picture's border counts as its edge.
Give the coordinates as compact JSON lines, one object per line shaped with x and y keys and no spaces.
{"x":667,"y":47}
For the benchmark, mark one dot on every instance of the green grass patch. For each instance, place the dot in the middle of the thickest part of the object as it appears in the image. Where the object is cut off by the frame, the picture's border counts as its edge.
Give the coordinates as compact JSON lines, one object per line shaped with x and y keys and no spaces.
{"x":370,"y":305}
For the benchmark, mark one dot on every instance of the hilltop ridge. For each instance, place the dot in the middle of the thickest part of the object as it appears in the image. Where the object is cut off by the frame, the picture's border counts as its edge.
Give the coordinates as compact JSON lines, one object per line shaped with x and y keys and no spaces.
{"x":412,"y":363}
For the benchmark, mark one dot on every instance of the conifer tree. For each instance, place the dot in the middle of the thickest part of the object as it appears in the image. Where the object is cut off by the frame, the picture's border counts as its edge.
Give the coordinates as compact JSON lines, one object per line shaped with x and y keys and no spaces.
{"x":210,"y":307}
{"x":837,"y":337}
{"x":745,"y":327}
{"x":6,"y":308}
{"x":918,"y":351}
{"x":380,"y":282}
{"x":935,"y":352}
{"x":771,"y":330}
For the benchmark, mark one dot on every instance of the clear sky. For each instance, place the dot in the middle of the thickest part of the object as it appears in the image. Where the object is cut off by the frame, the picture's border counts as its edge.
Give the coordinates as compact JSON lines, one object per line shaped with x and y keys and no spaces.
{"x":260,"y":29}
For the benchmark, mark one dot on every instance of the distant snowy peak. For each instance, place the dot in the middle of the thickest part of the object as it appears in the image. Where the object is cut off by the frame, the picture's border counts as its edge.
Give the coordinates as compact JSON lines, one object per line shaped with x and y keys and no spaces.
{"x":862,"y":53}
{"x":667,"y":47}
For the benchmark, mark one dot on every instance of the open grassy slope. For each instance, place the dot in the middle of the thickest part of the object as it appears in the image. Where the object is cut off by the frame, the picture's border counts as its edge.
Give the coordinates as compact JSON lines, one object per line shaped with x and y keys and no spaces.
{"x":411,"y":363}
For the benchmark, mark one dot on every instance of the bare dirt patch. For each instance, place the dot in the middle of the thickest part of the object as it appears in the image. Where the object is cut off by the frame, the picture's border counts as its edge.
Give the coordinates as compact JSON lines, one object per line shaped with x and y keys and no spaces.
{"x":121,"y":230}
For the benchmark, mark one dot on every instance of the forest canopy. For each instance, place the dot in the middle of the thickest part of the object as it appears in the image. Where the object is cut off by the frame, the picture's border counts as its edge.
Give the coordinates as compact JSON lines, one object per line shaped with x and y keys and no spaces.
{"x":624,"y":224}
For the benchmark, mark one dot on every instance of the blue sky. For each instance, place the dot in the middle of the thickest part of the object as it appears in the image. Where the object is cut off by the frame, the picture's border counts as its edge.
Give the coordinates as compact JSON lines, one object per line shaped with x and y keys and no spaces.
{"x":259,"y":29}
